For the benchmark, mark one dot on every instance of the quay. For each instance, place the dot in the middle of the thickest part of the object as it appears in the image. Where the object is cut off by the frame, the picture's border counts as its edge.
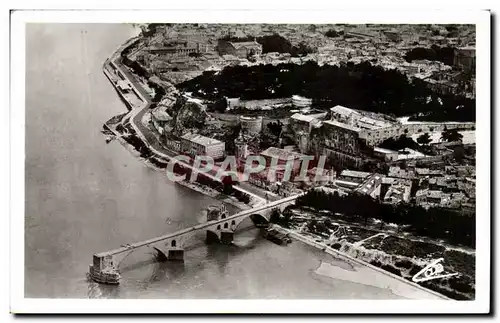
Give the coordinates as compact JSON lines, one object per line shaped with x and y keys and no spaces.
{"x":138,"y":102}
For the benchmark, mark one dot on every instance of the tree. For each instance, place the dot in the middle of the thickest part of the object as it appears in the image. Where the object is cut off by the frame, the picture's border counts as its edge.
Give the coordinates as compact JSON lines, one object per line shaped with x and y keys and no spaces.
{"x":312,"y":226}
{"x":359,"y":86}
{"x":228,"y":185}
{"x":332,"y":33}
{"x":451,"y":135}
{"x":275,"y":128}
{"x":459,"y":154}
{"x":302,"y":49}
{"x":455,"y":135}
{"x":424,"y":139}
{"x":275,"y":216}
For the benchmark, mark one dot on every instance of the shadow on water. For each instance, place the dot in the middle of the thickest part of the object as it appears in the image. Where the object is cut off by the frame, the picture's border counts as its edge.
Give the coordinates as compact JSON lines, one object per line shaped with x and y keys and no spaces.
{"x":96,"y":290}
{"x":139,"y":264}
{"x":165,"y":270}
{"x":222,"y":254}
{"x":162,"y":270}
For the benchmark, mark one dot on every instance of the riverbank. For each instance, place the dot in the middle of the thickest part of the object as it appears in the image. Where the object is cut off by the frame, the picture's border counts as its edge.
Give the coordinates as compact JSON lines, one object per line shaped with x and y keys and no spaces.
{"x":195,"y":186}
{"x":136,"y":111}
{"x":391,"y":249}
{"x":411,"y":287}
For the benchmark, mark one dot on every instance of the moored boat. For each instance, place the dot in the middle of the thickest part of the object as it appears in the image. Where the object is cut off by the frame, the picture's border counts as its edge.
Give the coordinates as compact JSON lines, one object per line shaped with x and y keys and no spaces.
{"x":277,"y":237}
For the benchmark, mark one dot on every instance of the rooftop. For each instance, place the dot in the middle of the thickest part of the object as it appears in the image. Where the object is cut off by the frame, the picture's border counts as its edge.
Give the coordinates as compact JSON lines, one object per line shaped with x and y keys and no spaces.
{"x":305,"y":118}
{"x":280,"y":153}
{"x":354,"y":173}
{"x":245,"y":44}
{"x":343,"y":110}
{"x":201,"y":140}
{"x":342,"y":125}
{"x":299,"y":98}
{"x":384,"y":151}
{"x":123,"y":85}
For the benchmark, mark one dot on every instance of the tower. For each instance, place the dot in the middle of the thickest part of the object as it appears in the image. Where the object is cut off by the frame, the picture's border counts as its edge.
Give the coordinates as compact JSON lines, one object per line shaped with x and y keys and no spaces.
{"x":303,"y":142}
{"x":241,"y":147}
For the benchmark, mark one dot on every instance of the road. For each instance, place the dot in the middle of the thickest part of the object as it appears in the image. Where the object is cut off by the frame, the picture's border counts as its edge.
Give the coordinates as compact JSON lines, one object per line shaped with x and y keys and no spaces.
{"x":153,"y":141}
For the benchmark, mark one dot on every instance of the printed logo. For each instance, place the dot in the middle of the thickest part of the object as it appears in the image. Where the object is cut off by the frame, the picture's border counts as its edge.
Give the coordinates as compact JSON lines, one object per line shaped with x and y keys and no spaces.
{"x":431,"y":271}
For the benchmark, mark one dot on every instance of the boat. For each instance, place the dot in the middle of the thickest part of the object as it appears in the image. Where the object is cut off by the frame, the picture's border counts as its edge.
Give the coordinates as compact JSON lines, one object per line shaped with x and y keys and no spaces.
{"x":105,"y":276}
{"x":277,"y":237}
{"x":264,"y":225}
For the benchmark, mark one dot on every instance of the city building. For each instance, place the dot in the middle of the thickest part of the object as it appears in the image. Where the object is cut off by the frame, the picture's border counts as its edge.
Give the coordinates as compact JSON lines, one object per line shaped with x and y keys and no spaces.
{"x":427,"y":196}
{"x":239,"y":49}
{"x":216,"y":212}
{"x":303,"y":123}
{"x":124,"y":86}
{"x":361,"y":34}
{"x":341,"y":142}
{"x":371,"y":130}
{"x":352,"y":178}
{"x":397,"y":172}
{"x":302,"y":126}
{"x":319,"y":176}
{"x":371,"y":185}
{"x":251,"y":125}
{"x":241,"y":148}
{"x":172,"y":143}
{"x":393,"y":35}
{"x":301,"y":102}
{"x":282,"y":157}
{"x":194,"y":144}
{"x":175,"y":49}
{"x":465,"y":58}
{"x":395,"y":190}
{"x":385,"y":154}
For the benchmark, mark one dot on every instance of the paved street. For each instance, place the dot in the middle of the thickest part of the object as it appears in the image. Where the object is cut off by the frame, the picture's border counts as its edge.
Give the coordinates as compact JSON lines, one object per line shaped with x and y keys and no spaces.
{"x":152,"y":140}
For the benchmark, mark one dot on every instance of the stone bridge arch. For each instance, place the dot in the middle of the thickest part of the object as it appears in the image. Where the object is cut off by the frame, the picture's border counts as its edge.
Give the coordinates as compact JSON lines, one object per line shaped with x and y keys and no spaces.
{"x":172,"y":248}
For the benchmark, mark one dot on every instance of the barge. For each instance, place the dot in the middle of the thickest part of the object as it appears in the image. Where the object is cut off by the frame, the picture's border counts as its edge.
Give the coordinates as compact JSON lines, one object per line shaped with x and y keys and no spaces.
{"x":277,"y":237}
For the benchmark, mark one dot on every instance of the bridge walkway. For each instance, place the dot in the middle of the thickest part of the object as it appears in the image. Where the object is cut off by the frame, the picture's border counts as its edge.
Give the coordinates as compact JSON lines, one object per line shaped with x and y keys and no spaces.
{"x":248,"y":212}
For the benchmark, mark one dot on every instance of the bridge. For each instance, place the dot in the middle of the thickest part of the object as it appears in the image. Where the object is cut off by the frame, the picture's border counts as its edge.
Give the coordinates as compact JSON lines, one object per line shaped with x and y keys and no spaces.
{"x":220,"y":227}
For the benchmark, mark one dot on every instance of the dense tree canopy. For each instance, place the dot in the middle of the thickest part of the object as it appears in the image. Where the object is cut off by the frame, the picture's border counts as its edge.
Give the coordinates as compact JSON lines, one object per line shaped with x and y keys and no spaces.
{"x":358,"y":86}
{"x":275,"y":43}
{"x":435,"y":53}
{"x":332,"y":33}
{"x":399,"y":143}
{"x":440,"y":223}
{"x":424,"y":139}
{"x":451,"y":135}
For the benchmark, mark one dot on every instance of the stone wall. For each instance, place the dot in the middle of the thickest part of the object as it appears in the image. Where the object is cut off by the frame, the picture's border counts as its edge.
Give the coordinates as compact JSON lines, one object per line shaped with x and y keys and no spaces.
{"x":374,"y":137}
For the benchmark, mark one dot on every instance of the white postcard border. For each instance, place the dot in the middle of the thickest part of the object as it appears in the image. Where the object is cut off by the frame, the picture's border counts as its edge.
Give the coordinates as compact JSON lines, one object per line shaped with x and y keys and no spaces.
{"x":19,"y":304}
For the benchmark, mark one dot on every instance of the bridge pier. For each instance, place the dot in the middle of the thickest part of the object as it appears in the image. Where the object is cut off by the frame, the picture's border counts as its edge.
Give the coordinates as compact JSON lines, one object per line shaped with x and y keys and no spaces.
{"x":102,"y":270}
{"x":226,"y":237}
{"x":169,"y":254}
{"x":175,"y":254}
{"x":220,"y":228}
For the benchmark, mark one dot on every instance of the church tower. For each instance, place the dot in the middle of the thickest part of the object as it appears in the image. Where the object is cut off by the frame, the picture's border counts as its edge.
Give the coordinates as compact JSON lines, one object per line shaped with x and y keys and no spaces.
{"x":241,"y":147}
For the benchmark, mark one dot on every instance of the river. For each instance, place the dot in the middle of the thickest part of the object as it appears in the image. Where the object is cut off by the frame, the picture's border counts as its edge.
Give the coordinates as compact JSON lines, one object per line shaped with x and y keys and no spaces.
{"x":84,"y":196}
